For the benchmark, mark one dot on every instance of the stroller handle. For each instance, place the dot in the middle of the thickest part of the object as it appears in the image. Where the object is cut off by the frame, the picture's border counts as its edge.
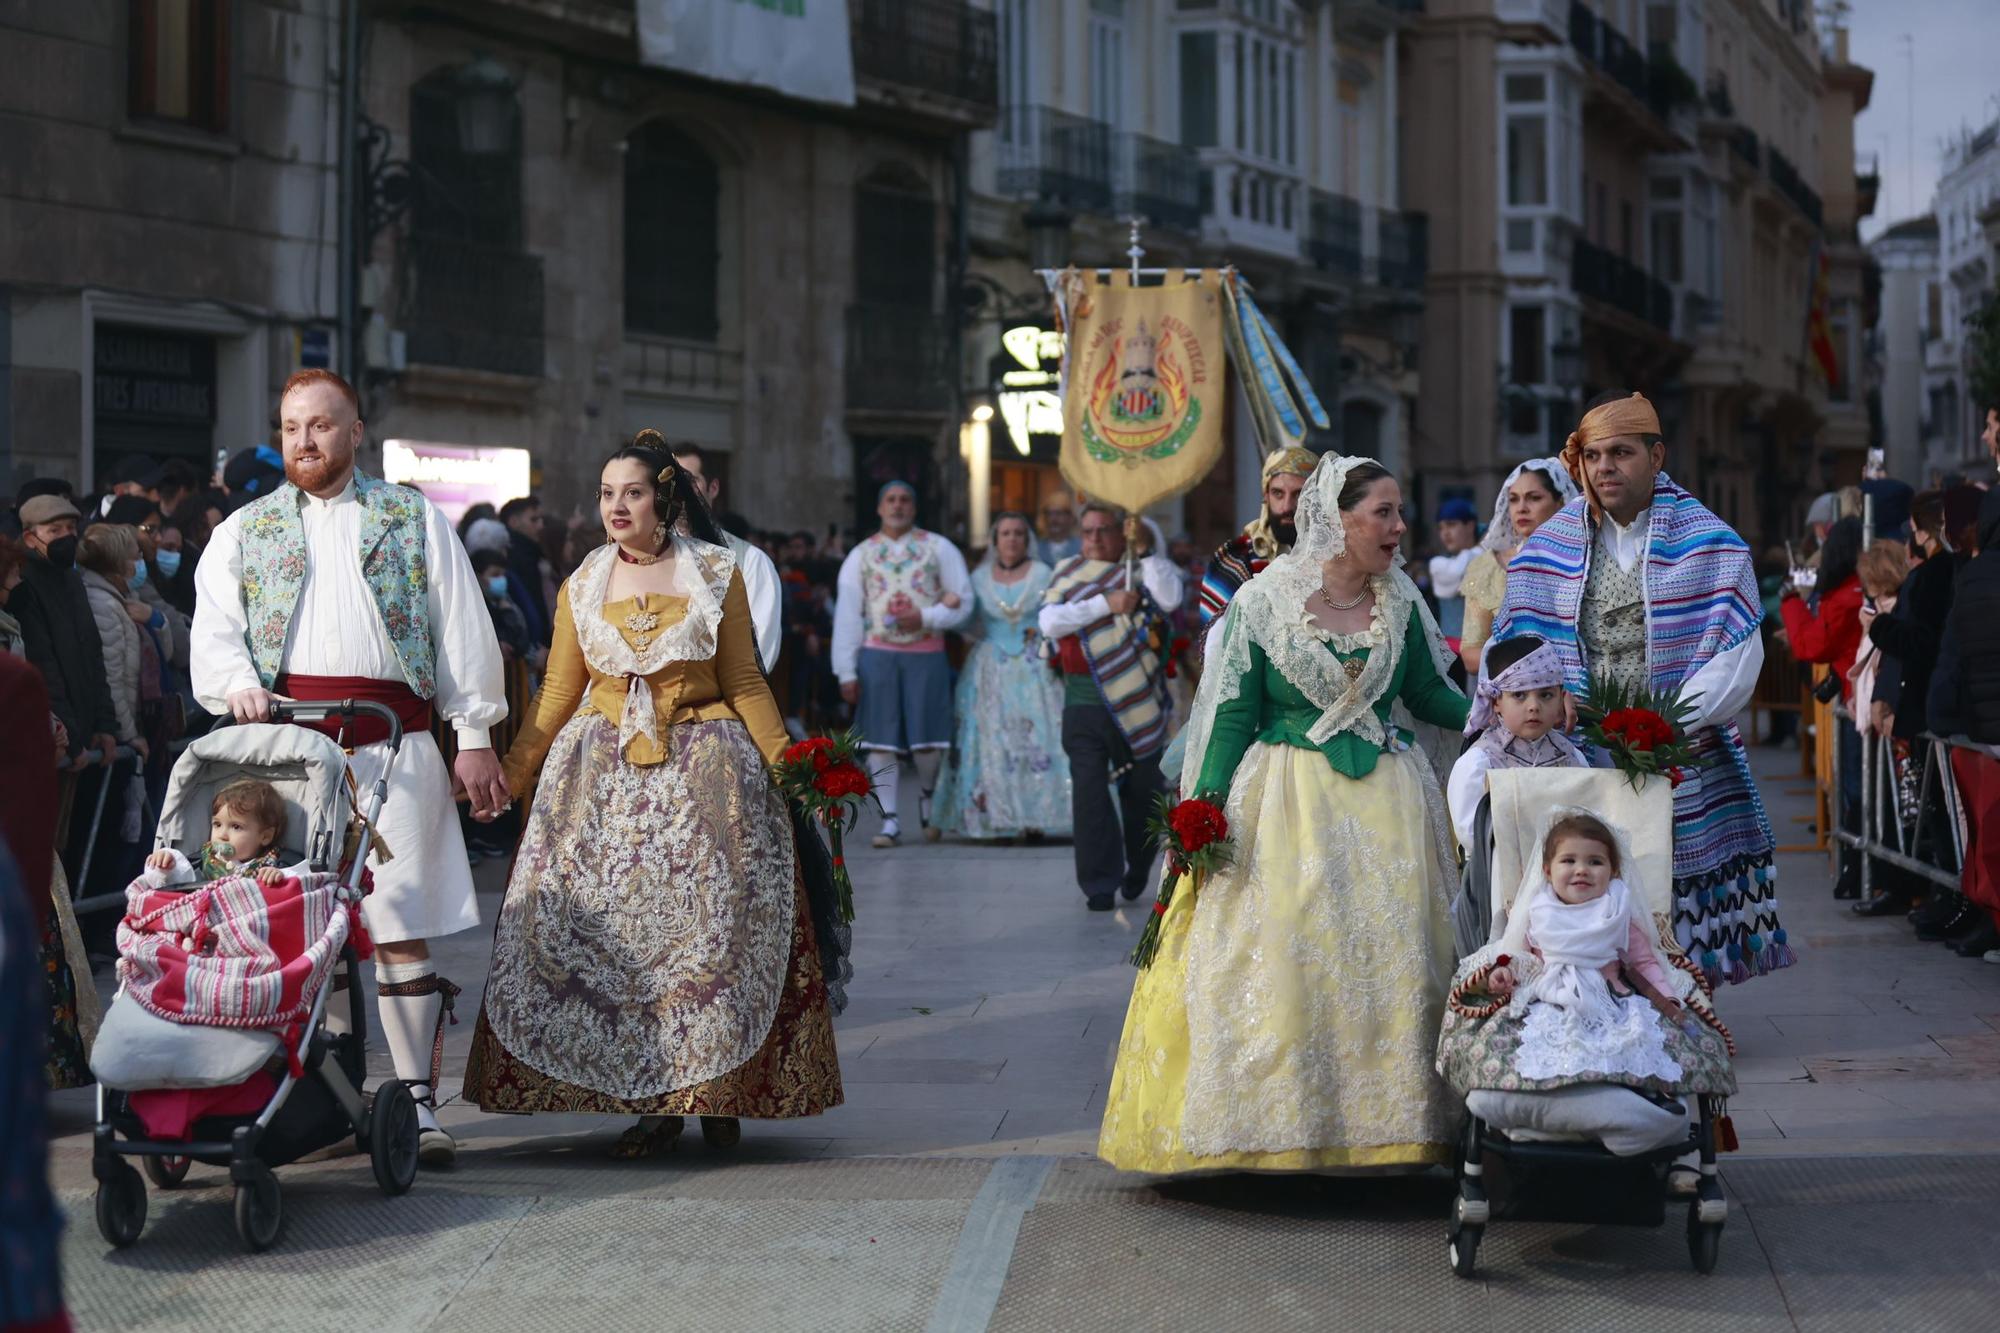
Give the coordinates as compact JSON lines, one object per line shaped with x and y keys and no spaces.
{"x":297,"y":711}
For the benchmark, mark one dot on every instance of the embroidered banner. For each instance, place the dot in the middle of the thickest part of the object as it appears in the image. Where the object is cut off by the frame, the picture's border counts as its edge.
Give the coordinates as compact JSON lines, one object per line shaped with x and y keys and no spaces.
{"x":1143,"y":406}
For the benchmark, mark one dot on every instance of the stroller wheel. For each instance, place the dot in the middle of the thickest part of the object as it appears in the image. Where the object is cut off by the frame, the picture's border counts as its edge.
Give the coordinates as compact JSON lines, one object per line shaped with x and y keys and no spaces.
{"x":1704,"y":1241}
{"x":392,"y":1137}
{"x":121,"y":1206}
{"x":1465,"y":1250}
{"x":260,"y":1212}
{"x":167,"y":1172}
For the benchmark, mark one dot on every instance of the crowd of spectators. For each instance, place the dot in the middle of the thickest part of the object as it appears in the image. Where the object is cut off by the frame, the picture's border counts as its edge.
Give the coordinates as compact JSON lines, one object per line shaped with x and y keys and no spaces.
{"x":1905,"y":617}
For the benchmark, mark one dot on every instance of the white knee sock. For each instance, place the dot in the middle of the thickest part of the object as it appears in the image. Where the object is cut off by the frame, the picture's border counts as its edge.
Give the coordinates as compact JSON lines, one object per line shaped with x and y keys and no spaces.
{"x":409,"y":1023}
{"x":928,"y":762}
{"x":885,"y":770}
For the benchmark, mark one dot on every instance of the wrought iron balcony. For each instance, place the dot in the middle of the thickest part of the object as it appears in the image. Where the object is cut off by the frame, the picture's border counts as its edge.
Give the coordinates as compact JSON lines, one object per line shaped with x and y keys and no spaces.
{"x":944,"y":48}
{"x":1333,"y":234}
{"x":1048,"y":154}
{"x":1405,"y":250}
{"x":1612,"y":52}
{"x":1743,"y":142}
{"x":1601,"y":275}
{"x":898,"y":359}
{"x":1793,"y":186}
{"x":1158,"y":181}
{"x":477,"y":307}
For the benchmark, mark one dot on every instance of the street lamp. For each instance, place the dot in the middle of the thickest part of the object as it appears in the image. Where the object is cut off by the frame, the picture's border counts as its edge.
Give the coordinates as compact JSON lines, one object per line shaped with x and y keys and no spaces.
{"x":1566,"y":364}
{"x":484,"y":98}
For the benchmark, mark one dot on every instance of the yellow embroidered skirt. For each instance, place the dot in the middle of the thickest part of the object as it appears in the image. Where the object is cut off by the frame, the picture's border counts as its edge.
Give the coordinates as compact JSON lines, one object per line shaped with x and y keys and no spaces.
{"x":1290,"y":1018}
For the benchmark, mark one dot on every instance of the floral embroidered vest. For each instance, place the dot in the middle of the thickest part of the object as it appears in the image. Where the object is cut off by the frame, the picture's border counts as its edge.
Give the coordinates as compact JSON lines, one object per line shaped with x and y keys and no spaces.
{"x":906,"y":565}
{"x":392,"y":565}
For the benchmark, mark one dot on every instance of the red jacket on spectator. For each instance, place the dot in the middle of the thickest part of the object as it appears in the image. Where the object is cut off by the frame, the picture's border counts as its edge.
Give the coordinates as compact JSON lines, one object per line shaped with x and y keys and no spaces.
{"x":1830,"y":633}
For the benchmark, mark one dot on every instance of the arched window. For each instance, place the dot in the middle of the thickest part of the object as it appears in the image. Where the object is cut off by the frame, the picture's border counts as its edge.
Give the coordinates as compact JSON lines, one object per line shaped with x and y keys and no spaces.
{"x":465,"y":151}
{"x":673,"y":193}
{"x":895,"y":239}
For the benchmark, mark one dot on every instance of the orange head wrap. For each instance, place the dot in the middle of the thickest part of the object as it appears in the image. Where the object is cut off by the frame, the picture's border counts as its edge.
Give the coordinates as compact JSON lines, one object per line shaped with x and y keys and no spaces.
{"x":1623,"y":416}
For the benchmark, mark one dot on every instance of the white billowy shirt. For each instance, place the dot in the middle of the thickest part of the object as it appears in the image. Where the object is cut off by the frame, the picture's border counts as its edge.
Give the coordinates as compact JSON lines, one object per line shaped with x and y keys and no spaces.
{"x":1162,"y":577}
{"x":336,"y":629}
{"x":1721,"y":687}
{"x":850,"y":631}
{"x":760,"y":585}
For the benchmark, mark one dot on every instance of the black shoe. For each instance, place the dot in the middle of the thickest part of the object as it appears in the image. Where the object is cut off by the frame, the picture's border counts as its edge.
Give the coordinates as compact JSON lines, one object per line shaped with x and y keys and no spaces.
{"x":1962,"y":919}
{"x":1882,"y":904}
{"x":1936,"y":916}
{"x":1100,"y":902}
{"x":1132,"y":889}
{"x":1978,"y":940}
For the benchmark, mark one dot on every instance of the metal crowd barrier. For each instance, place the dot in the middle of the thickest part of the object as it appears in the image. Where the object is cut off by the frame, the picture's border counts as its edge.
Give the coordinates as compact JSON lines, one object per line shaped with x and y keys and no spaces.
{"x":1895,"y":831}
{"x":148,"y":818}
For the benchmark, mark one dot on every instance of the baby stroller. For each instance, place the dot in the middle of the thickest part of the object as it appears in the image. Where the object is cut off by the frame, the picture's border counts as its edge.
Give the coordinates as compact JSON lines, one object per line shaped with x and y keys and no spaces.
{"x":1568,"y":1128}
{"x":264,"y":1101}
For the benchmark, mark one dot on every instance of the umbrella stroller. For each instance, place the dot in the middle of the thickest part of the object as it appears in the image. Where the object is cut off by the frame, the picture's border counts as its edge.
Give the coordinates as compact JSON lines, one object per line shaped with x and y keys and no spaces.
{"x":241,"y":1062}
{"x":1589,"y":1126}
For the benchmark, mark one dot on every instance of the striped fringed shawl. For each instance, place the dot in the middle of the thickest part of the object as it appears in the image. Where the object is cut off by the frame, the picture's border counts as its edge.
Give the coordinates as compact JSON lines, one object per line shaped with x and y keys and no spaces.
{"x":1701,"y":600}
{"x":1130,"y":672}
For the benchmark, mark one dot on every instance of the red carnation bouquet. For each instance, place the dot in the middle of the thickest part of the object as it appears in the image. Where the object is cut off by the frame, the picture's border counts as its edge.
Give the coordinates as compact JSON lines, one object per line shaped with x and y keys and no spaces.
{"x":1195,"y":835}
{"x":825,"y":775}
{"x":1644,"y":731}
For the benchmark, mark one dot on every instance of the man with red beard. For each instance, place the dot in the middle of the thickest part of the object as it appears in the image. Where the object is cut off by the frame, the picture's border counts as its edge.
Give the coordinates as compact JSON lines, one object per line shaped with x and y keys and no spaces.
{"x":1244,"y":556}
{"x":339,"y":585}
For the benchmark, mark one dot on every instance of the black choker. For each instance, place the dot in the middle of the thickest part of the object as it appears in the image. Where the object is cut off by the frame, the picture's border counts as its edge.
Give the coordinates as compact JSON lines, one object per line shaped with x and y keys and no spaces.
{"x":1009,"y":569}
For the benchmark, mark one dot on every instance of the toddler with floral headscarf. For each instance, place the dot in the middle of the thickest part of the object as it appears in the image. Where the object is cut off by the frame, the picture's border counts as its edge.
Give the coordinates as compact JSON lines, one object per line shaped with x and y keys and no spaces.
{"x":1517,"y":713}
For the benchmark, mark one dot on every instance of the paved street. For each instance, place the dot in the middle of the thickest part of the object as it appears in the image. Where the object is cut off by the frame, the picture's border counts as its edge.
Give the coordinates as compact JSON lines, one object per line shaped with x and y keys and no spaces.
{"x":955,"y":1189}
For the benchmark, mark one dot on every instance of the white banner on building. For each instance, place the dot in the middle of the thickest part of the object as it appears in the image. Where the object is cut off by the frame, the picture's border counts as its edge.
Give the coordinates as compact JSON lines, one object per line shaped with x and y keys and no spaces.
{"x":798,"y":47}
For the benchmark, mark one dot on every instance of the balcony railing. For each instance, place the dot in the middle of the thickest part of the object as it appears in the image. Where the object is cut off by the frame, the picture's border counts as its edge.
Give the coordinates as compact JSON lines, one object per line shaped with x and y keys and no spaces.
{"x":1609,"y":49}
{"x":943,"y":47}
{"x":1745,"y":144}
{"x":898,"y":359}
{"x":1601,"y":275}
{"x":1333,"y":234}
{"x":477,"y":307}
{"x":1405,"y":258}
{"x":1793,"y":186}
{"x":1158,"y":181}
{"x":1048,"y":154}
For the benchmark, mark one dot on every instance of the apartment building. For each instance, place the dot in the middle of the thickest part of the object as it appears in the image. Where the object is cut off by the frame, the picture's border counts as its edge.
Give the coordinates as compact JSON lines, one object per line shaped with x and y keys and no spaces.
{"x":1635,"y":203}
{"x":1967,"y":209}
{"x":1910,"y":320}
{"x":168,"y":221}
{"x":1262,"y":134}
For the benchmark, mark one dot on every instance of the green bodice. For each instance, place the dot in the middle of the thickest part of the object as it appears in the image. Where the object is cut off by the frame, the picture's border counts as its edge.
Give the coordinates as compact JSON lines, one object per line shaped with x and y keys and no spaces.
{"x":1269,"y":708}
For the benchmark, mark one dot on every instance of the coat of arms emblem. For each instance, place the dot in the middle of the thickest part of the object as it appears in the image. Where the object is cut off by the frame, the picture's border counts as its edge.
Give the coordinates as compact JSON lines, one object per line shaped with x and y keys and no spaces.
{"x":1141,"y":404}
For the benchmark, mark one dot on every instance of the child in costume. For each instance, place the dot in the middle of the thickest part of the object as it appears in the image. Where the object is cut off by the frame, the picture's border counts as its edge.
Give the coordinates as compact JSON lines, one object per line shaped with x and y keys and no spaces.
{"x":246,"y":823}
{"x":1517,"y":714}
{"x":1580,"y":1009}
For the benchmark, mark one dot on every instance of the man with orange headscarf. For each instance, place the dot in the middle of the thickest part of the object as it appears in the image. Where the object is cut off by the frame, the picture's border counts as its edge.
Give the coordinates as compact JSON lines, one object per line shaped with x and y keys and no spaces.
{"x":1636,"y":581}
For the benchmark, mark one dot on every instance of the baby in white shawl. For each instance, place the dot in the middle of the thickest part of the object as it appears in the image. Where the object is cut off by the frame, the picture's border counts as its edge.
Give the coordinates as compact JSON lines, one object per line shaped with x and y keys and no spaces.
{"x":1580,"y":1013}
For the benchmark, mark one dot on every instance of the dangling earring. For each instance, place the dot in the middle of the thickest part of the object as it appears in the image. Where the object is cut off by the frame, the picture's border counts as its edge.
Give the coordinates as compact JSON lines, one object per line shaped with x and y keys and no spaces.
{"x":659,"y":536}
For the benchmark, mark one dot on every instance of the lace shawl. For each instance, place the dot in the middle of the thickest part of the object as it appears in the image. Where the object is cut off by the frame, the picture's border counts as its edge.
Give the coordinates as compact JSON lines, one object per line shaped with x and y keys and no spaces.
{"x":706,"y":571}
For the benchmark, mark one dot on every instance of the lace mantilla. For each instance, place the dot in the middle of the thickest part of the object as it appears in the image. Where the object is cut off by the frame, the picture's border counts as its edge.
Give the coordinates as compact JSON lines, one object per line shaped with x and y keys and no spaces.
{"x":706,"y":570}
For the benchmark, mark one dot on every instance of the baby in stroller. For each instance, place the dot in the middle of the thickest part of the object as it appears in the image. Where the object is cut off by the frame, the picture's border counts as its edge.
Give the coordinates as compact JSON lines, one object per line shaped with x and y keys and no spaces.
{"x":246,"y":822}
{"x":1516,"y":722}
{"x":1578,"y":1014}
{"x":1577,"y":1033}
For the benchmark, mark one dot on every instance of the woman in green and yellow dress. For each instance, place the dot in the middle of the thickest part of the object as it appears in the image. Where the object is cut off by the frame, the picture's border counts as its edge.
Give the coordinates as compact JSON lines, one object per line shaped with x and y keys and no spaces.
{"x":1289,"y":1018}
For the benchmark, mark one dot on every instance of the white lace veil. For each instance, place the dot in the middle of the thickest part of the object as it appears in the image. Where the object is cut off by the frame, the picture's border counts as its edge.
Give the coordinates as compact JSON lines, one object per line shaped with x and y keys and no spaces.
{"x":1270,"y":611}
{"x":1500,"y":538}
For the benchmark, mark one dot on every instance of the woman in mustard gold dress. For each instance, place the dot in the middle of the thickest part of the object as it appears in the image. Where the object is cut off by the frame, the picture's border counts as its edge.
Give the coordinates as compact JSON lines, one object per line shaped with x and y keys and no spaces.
{"x":1289,"y":1019}
{"x":656,"y":953}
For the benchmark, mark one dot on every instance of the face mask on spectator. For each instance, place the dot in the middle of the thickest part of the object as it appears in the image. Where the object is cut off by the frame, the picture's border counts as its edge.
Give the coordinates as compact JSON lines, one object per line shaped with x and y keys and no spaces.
{"x":168,"y":563}
{"x":497,"y":585}
{"x":62,"y":552}
{"x":138,"y":579}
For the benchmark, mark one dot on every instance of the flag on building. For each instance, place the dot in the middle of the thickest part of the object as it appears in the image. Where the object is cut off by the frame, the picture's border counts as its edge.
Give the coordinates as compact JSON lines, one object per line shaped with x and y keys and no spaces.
{"x":1819,"y":327}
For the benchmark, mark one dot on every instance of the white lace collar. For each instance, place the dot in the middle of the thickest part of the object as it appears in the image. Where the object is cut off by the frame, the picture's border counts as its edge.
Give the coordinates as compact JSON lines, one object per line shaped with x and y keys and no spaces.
{"x":705,"y":570}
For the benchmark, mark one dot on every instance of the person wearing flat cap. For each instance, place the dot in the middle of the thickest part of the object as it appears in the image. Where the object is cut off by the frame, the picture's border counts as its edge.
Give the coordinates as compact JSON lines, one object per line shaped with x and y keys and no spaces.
{"x":898,"y":592}
{"x":59,"y":633}
{"x":1636,"y":581}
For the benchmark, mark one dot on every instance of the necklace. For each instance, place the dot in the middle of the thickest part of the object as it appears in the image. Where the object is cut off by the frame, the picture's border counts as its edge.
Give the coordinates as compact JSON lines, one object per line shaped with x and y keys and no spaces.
{"x":1332,"y":605}
{"x":1009,"y":569}
{"x":652,"y":559}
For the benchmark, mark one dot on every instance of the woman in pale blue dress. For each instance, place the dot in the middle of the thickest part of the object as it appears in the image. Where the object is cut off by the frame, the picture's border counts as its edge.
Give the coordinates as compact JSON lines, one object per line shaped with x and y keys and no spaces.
{"x":1006,"y":775}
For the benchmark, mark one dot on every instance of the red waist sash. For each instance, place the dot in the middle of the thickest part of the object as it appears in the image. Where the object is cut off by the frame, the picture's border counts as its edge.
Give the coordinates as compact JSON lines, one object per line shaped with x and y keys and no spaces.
{"x":1069,"y":653}
{"x":400,"y":699}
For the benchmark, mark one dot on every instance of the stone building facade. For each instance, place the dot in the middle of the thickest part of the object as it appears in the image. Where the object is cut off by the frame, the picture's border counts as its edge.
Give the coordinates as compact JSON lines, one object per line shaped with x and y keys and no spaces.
{"x":168,"y":219}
